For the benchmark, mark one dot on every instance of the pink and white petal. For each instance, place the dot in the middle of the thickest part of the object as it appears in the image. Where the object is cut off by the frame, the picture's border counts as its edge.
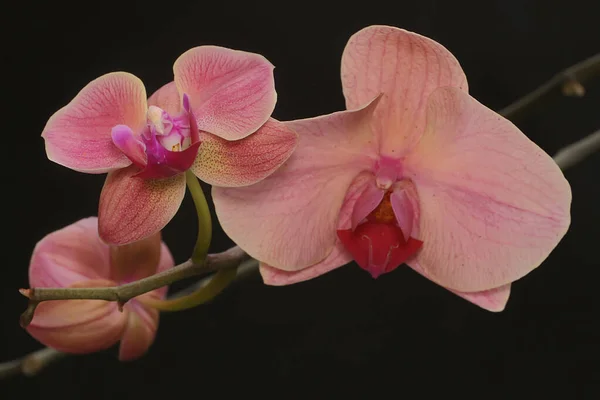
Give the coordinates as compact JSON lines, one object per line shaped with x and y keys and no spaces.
{"x":78,"y":135}
{"x":406,"y":68}
{"x":246,"y":161}
{"x":78,"y":326}
{"x":493,"y":204}
{"x":278,"y":277}
{"x":232,"y":92}
{"x":289,"y":219}
{"x":133,"y":208}
{"x":338,"y":256}
{"x":139,"y":332}
{"x":71,"y":254}
{"x":167,"y":98}
{"x":492,"y":300}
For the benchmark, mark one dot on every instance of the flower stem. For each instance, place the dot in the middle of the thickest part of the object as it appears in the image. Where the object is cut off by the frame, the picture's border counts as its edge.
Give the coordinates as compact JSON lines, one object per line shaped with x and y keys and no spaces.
{"x":204,"y":218}
{"x":215,"y":285}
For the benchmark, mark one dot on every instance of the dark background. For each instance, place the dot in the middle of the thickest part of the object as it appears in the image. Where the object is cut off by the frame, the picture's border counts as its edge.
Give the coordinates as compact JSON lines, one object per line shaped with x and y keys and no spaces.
{"x":342,"y":334}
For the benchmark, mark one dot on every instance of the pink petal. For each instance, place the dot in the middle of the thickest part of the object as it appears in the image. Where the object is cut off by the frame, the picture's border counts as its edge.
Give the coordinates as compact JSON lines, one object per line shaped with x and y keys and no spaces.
{"x":338,"y":257}
{"x":492,"y":300}
{"x":246,"y":161}
{"x":493,"y":204}
{"x":78,"y":326}
{"x":72,"y":254}
{"x":78,"y":135}
{"x":126,"y":141}
{"x":232,"y":93}
{"x":133,"y":208}
{"x":167,"y":98}
{"x":405,"y":203}
{"x":406,"y":68}
{"x":368,"y":200}
{"x":139,"y":332}
{"x":136,"y":260}
{"x":289,"y":219}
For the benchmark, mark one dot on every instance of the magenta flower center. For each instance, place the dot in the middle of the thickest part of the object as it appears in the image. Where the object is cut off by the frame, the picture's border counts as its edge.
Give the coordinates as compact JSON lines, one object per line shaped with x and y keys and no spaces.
{"x":165,"y":133}
{"x":167,"y":145}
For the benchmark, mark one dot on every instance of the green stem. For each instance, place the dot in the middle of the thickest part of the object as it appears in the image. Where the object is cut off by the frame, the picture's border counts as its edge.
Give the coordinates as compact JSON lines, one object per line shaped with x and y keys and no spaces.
{"x":215,"y":285}
{"x":204,"y":218}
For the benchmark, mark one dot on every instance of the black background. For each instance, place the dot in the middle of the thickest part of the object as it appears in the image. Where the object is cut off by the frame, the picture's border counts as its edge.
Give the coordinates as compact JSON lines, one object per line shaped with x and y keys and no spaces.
{"x":400,"y":336}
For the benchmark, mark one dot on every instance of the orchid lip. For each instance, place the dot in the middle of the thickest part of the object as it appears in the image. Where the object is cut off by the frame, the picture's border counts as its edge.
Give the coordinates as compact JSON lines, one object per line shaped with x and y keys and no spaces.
{"x":169,"y":143}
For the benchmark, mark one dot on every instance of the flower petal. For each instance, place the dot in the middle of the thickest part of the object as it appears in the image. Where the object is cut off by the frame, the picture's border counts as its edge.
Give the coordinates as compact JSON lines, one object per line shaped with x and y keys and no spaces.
{"x":405,"y":203}
{"x":289,"y":219}
{"x":133,"y":208}
{"x":492,"y":300}
{"x":368,"y":201}
{"x":78,"y":326}
{"x":139,"y":332}
{"x":493,"y":204}
{"x":72,"y":254}
{"x":232,"y":92}
{"x":406,"y":68}
{"x":78,"y":135}
{"x":246,"y":161}
{"x":126,"y":141}
{"x":136,"y":260}
{"x":167,"y":98}
{"x":338,"y":257}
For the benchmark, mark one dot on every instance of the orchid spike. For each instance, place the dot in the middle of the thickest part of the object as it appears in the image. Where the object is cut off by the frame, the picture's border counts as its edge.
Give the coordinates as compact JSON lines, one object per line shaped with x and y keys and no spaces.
{"x":213,"y":119}
{"x":416,"y":171}
{"x":75,"y":256}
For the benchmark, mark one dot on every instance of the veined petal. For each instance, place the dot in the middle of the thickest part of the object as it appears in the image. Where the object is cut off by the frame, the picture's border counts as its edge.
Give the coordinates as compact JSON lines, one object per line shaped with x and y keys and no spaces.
{"x":72,"y":254}
{"x":78,"y":135}
{"x":139,"y":332}
{"x":246,"y":161}
{"x":133,"y":208}
{"x":406,"y":68}
{"x":492,"y":300}
{"x":232,"y":93}
{"x":493,"y":204}
{"x":289,"y":219}
{"x":78,"y":326}
{"x":338,"y":257}
{"x":167,"y":98}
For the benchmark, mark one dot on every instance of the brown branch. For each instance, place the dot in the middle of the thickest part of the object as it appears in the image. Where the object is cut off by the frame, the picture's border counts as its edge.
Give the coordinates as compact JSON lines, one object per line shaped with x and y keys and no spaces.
{"x":570,"y":82}
{"x":122,"y":294}
{"x":31,"y":364}
{"x":578,"y":151}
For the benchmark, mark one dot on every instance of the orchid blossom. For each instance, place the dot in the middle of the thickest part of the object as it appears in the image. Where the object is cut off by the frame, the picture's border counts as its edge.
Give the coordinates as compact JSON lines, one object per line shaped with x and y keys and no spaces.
{"x":213,"y":119}
{"x":74,"y":257}
{"x":416,"y":171}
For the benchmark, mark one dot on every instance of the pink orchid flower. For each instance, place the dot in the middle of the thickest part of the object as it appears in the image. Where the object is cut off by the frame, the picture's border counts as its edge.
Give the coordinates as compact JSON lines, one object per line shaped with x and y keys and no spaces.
{"x":417,"y":172}
{"x":214,"y":119}
{"x":75,"y":256}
